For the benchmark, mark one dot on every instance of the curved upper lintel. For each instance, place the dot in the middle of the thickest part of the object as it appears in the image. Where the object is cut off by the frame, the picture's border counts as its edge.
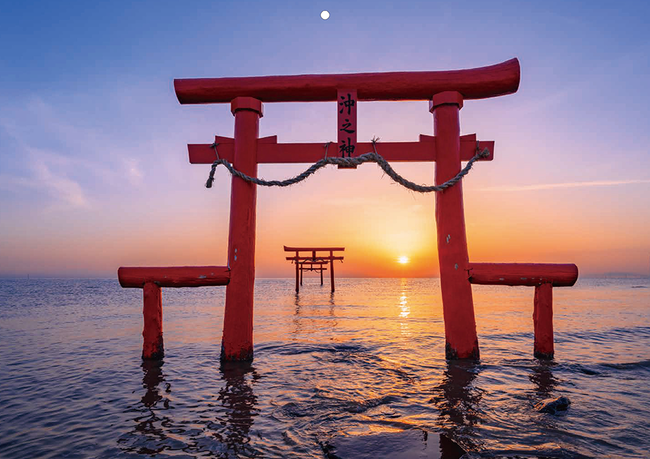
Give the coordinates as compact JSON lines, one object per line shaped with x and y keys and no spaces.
{"x":479,"y":83}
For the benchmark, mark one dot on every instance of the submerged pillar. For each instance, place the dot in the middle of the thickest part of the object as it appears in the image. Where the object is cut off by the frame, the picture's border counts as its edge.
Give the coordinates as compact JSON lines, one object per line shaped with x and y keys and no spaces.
{"x":543,"y":321}
{"x":152,"y":347}
{"x":297,"y":277}
{"x":458,"y":307}
{"x":332,"y":271}
{"x":237,"y":342}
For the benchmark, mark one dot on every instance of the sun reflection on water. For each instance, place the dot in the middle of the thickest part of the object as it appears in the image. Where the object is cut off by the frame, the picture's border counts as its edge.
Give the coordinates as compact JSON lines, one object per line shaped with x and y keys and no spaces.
{"x":405,"y":309}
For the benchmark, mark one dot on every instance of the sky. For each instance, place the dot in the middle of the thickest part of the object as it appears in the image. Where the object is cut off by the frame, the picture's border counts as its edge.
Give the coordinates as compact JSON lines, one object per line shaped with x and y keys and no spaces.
{"x":94,"y":171}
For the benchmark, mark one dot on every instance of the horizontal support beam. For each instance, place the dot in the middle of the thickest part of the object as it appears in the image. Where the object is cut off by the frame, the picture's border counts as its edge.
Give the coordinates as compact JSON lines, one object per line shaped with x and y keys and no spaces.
{"x":528,"y":274}
{"x":318,"y":258}
{"x":280,"y":153}
{"x":312,"y":249}
{"x":178,"y":276}
{"x":477,"y":83}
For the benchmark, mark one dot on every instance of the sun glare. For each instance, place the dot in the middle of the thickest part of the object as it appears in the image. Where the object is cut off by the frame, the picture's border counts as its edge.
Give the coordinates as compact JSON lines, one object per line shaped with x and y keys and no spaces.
{"x":403,"y":259}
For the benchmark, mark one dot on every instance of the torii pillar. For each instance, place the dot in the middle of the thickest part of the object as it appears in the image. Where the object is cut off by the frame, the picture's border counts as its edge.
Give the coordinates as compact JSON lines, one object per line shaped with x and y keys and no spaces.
{"x":457,"y":304}
{"x":237,"y":341}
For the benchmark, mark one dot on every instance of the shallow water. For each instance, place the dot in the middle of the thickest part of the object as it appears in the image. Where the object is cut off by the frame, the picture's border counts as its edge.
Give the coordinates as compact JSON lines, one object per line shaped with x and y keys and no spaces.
{"x":358,"y":373}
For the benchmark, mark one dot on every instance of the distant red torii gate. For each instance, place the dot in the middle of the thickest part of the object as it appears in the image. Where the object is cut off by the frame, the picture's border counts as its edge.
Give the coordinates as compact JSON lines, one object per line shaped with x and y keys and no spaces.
{"x":314,"y":259}
{"x":446,"y":91}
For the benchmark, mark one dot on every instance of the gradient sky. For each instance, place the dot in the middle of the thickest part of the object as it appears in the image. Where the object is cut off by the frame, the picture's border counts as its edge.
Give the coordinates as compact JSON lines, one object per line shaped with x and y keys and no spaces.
{"x":94,"y":171}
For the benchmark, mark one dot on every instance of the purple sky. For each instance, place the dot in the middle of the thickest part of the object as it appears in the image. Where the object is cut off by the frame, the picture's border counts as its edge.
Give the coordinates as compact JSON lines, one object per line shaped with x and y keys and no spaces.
{"x":93,"y":163}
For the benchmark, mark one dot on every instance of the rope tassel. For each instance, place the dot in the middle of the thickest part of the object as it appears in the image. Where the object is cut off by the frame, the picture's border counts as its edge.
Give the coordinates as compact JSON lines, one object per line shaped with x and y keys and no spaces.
{"x":372,"y":157}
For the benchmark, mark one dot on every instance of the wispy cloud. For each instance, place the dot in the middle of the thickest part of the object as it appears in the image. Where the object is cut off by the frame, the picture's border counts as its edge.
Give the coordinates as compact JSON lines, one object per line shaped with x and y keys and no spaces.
{"x":47,"y":176}
{"x":60,"y":187}
{"x":554,"y":186}
{"x":63,"y":157}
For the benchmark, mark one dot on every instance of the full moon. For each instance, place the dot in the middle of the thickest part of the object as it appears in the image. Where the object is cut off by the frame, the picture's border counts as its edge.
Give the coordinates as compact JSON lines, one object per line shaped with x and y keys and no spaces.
{"x":325,"y":15}
{"x":403,"y":259}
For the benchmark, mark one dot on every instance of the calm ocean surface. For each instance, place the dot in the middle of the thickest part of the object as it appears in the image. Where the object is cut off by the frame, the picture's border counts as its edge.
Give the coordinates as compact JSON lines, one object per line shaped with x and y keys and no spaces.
{"x":359,"y":373}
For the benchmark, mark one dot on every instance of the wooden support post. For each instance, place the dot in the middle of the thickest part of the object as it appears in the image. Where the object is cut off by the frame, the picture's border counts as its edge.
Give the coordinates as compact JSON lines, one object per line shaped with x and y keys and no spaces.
{"x":543,"y":321}
{"x":458,"y":308}
{"x":297,"y":277}
{"x":237,"y":341}
{"x":332,"y":270}
{"x":152,"y":347}
{"x":321,"y":275}
{"x":300,"y":274}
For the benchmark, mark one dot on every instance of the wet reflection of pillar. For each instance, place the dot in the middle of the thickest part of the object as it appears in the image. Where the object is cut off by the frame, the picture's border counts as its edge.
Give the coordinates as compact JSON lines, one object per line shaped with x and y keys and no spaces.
{"x":297,"y":320}
{"x":151,"y":381}
{"x":542,"y":377}
{"x":148,"y":436}
{"x":457,"y":401}
{"x":238,"y":398}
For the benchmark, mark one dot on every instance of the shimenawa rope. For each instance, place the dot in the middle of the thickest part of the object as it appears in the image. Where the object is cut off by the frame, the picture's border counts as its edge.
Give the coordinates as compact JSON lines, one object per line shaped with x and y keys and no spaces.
{"x":372,"y":157}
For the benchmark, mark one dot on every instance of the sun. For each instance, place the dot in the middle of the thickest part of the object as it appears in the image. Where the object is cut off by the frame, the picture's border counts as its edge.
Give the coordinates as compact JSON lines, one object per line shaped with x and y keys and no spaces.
{"x":403,"y":259}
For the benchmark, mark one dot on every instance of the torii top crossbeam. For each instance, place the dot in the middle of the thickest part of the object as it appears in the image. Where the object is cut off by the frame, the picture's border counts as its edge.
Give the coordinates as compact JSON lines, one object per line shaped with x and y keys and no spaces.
{"x":479,"y":83}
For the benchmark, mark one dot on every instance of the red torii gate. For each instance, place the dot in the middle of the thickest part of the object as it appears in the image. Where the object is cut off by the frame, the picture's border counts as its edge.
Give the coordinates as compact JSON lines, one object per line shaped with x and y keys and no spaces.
{"x":446,"y":91}
{"x":314,"y":259}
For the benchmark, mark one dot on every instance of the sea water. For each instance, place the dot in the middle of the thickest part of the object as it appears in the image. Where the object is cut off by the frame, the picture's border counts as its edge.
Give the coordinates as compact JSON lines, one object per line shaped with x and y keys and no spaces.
{"x":356,"y":373}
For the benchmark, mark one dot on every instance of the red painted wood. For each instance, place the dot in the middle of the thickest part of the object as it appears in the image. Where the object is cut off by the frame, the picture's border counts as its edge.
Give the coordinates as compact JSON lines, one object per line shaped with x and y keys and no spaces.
{"x":320,"y":257}
{"x":280,"y":153}
{"x":237,"y":342}
{"x":300,"y":275}
{"x":530,"y":274}
{"x":242,"y":102}
{"x":297,"y":278}
{"x":321,"y":276}
{"x":178,"y":276}
{"x":458,"y":308}
{"x":332,"y":273}
{"x":543,"y":321}
{"x":152,"y":347}
{"x":312,"y":249}
{"x":477,"y":83}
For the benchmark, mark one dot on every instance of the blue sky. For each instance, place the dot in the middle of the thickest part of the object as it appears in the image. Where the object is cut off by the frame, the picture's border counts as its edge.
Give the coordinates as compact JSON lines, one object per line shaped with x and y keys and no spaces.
{"x":92,"y":138}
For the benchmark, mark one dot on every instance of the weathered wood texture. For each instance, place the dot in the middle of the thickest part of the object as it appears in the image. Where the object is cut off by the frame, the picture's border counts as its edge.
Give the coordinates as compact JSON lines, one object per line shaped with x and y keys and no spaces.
{"x":543,"y":321}
{"x":529,"y":274}
{"x":477,"y":83}
{"x":237,"y":340}
{"x":178,"y":276}
{"x":152,"y":334}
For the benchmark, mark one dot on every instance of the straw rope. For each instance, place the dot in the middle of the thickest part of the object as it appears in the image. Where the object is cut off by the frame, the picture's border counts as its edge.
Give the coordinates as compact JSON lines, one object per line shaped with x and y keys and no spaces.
{"x":372,"y":157}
